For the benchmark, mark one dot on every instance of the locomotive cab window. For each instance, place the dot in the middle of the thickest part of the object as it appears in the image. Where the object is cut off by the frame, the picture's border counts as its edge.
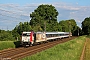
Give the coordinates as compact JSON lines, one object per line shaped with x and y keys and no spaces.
{"x":26,"y":34}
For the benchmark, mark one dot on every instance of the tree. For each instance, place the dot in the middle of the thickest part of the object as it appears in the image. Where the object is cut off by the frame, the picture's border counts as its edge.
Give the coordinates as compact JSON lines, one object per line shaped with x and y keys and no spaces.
{"x":68,"y":26}
{"x":64,"y":25}
{"x":78,"y":31}
{"x":86,"y":26}
{"x":72,"y":25}
{"x":17,"y":31}
{"x":44,"y":13}
{"x":6,"y":36}
{"x":53,"y":26}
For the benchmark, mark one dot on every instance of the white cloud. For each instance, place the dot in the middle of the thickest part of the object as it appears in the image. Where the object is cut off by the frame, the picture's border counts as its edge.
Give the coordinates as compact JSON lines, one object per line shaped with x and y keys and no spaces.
{"x":12,"y":14}
{"x":70,"y":11}
{"x":77,"y":3}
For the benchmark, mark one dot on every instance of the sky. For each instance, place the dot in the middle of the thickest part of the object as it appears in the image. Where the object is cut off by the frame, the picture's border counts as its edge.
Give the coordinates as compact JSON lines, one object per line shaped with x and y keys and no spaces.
{"x":14,"y":11}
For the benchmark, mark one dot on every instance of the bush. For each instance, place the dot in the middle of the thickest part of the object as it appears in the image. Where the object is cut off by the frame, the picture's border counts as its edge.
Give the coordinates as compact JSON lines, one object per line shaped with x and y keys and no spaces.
{"x":6,"y":36}
{"x":17,"y":44}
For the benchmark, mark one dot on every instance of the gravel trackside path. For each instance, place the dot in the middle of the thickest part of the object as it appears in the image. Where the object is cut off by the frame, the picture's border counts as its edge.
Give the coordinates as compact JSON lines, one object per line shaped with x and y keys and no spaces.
{"x":86,"y":50}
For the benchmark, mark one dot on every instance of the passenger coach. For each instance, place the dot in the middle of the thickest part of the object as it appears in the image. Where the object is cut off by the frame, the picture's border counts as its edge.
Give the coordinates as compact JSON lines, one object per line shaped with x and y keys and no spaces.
{"x":29,"y":38}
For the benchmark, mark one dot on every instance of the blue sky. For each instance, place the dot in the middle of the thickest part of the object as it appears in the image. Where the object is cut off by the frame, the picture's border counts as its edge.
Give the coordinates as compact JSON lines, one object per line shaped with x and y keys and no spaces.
{"x":22,"y":2}
{"x":14,"y":11}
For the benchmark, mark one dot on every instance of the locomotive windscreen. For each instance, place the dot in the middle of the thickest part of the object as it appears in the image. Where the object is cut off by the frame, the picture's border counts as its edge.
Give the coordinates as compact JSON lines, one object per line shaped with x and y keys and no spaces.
{"x":26,"y":34}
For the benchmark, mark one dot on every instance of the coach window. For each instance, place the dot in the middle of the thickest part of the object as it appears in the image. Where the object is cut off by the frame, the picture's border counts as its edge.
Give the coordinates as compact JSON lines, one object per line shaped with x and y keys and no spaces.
{"x":47,"y":35}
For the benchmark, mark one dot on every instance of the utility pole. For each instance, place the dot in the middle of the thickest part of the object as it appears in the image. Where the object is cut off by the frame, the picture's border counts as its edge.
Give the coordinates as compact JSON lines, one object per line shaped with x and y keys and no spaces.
{"x":69,"y":28}
{"x":78,"y":31}
{"x":45,"y":29}
{"x":45,"y":26}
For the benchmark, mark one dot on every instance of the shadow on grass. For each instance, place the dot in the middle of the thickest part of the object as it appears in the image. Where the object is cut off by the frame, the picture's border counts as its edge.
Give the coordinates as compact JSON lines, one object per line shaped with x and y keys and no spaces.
{"x":88,"y":36}
{"x":17,"y":44}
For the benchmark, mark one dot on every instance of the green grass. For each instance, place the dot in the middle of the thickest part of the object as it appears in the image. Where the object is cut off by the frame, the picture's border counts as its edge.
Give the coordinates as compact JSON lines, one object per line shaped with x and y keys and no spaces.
{"x":70,"y":50}
{"x":87,"y":50}
{"x":6,"y":44}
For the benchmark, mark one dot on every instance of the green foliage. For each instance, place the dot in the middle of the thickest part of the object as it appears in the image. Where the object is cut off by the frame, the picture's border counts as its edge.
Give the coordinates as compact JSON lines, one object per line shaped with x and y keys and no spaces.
{"x":6,"y":36}
{"x":44,"y":13}
{"x":70,"y":26}
{"x":65,"y":25}
{"x":70,"y":50}
{"x":44,"y":18}
{"x":17,"y":44}
{"x":22,"y":27}
{"x":88,"y":36}
{"x":78,"y":31}
{"x":17,"y":31}
{"x":6,"y":44}
{"x":53,"y":26}
{"x":86,"y":26}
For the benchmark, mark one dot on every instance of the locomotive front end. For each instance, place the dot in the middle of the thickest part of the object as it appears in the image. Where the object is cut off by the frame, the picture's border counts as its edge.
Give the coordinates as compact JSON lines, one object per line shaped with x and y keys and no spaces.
{"x":27,"y":38}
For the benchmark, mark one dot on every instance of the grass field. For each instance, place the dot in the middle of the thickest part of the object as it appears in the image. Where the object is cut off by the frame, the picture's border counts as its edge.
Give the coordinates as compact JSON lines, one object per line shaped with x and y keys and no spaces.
{"x":87,"y":50}
{"x":6,"y":44}
{"x":70,"y":50}
{"x":9,"y":44}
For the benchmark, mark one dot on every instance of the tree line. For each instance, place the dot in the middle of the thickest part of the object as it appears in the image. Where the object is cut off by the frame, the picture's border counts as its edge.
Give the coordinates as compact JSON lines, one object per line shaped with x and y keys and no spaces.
{"x":44,"y":18}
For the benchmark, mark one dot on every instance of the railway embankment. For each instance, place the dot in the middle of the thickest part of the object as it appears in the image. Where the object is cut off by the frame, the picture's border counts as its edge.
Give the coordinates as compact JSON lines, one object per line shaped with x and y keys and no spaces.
{"x":18,"y":53}
{"x":70,"y":50}
{"x":9,"y":44}
{"x":86,"y":55}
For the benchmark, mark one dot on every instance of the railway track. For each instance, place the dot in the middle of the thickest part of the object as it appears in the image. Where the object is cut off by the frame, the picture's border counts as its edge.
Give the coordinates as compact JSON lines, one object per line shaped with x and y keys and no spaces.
{"x":17,"y":53}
